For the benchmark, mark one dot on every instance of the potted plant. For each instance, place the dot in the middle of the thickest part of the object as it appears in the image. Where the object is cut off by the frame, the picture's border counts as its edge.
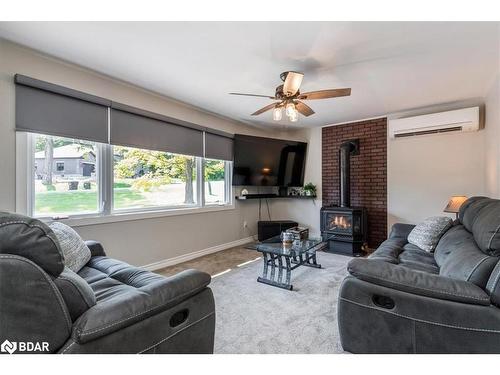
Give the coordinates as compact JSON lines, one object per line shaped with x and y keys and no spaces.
{"x":310,"y":189}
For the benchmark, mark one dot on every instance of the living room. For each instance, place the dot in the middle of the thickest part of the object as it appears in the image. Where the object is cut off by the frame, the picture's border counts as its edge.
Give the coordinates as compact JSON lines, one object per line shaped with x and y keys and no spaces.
{"x":173,"y":190}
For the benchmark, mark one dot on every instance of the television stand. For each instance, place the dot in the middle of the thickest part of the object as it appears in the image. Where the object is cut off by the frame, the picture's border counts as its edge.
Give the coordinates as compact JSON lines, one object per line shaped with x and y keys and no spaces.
{"x":268,"y":229}
{"x":257,"y":196}
{"x":272,"y":196}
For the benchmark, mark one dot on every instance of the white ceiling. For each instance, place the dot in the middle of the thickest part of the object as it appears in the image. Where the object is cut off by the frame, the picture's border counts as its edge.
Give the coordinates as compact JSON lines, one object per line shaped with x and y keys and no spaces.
{"x":391,"y":66}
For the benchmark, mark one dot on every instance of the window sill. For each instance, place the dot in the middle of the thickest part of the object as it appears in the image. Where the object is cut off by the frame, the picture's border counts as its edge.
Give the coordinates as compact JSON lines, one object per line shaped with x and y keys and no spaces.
{"x":130,"y":216}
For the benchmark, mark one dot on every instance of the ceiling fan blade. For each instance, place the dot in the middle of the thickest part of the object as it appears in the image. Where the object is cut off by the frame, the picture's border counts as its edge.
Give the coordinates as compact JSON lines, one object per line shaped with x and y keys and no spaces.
{"x":325,"y":94}
{"x":260,"y":96}
{"x":264,"y":109}
{"x":292,"y":83}
{"x":304,"y":109}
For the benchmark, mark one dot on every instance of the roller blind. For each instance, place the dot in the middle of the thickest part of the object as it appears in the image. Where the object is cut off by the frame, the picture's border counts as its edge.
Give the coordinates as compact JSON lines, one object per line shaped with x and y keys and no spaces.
{"x":218,"y":147}
{"x":130,"y":127}
{"x":42,"y":107}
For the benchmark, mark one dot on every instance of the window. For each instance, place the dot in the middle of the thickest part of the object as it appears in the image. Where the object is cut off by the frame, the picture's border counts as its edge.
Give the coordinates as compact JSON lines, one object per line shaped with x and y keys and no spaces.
{"x":215,"y":181}
{"x":144,"y":178}
{"x":75,"y":178}
{"x":68,"y":193}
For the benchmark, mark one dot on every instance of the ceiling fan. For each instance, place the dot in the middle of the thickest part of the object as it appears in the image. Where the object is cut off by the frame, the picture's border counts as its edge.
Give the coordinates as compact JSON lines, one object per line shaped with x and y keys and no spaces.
{"x":289,"y":97}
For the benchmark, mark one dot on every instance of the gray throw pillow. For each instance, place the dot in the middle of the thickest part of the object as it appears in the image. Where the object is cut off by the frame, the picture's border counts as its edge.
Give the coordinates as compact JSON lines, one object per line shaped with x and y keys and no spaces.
{"x":76,"y":253}
{"x":426,"y":235}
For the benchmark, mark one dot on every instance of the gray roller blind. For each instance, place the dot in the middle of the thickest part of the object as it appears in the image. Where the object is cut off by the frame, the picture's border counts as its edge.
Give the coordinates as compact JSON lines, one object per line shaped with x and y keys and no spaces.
{"x":218,"y":147}
{"x":136,"y":130}
{"x":42,"y":107}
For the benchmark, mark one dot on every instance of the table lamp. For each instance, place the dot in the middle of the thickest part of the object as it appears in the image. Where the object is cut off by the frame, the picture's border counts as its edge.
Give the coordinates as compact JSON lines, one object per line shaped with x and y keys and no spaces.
{"x":454,"y":204}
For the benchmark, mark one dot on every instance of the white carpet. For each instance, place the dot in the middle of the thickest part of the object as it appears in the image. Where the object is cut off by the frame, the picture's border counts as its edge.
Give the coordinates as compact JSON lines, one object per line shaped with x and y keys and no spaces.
{"x":256,"y":318}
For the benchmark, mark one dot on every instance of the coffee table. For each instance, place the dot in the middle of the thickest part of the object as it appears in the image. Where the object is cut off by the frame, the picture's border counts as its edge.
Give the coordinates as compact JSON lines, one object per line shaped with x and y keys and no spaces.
{"x":280,"y":260}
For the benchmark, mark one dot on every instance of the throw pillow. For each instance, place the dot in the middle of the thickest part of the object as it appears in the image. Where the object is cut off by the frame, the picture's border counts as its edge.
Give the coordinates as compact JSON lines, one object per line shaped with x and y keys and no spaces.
{"x":76,"y":253}
{"x":426,"y":235}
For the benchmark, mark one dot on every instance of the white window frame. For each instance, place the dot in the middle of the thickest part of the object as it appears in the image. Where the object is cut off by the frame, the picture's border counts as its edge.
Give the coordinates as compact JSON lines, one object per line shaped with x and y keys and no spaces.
{"x":25,"y":192}
{"x":228,"y":182}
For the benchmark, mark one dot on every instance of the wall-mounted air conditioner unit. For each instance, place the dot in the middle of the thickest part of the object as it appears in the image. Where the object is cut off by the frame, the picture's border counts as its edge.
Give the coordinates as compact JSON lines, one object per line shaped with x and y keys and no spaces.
{"x":460,"y":120}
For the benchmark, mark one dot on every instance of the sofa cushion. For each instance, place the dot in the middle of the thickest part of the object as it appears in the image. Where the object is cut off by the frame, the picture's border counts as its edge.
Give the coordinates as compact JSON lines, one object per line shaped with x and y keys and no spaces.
{"x":397,"y":250}
{"x":76,"y":253}
{"x":127,"y":294}
{"x":426,"y":234}
{"x":77,"y":294}
{"x":470,"y":209}
{"x":30,"y":239}
{"x":401,"y":230}
{"x":417,"y":259}
{"x":389,"y":250}
{"x":486,"y":228}
{"x":416,"y":282}
{"x":459,"y":257}
{"x":110,"y":278}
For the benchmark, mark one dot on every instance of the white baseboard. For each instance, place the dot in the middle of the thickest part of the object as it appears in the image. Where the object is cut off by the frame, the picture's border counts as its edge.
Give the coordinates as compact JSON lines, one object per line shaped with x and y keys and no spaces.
{"x":196,"y":254}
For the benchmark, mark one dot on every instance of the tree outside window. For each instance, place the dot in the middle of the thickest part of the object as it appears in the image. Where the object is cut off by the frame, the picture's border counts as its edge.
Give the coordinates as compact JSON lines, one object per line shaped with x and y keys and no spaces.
{"x":156,"y":178}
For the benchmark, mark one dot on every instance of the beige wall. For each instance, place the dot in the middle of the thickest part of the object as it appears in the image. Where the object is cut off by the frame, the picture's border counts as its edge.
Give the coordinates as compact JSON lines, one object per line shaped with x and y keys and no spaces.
{"x":492,"y":134}
{"x":138,"y":242}
{"x":305,"y":211}
{"x":423,"y":172}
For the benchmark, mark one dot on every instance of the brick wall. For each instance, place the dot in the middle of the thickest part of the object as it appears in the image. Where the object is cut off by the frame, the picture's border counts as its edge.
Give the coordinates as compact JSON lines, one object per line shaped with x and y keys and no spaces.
{"x":368,"y":171}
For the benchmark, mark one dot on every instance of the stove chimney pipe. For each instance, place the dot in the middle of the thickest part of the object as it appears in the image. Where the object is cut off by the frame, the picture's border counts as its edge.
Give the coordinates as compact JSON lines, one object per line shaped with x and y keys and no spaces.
{"x":347,"y":149}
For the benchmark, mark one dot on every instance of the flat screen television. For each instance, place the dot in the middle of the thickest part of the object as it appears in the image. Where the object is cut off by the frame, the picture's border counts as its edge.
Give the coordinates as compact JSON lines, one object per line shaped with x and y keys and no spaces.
{"x":262,"y":161}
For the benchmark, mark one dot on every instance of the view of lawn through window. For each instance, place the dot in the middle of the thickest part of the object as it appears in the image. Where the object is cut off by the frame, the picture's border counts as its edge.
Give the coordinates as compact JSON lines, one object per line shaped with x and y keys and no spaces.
{"x":65,"y":176}
{"x":144,"y":178}
{"x":66,"y":182}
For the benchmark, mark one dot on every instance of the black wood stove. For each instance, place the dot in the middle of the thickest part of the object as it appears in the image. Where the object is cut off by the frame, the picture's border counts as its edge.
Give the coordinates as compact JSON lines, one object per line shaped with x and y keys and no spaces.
{"x":348,"y":224}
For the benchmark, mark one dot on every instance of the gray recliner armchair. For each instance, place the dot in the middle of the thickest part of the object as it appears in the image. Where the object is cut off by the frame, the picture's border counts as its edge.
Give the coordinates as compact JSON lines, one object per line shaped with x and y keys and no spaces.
{"x":405,"y":300}
{"x":108,"y":307}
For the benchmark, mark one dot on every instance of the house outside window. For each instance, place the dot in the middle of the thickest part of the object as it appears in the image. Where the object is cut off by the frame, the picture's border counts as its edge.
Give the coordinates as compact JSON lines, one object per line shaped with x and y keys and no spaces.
{"x":61,"y":184}
{"x":71,"y":179}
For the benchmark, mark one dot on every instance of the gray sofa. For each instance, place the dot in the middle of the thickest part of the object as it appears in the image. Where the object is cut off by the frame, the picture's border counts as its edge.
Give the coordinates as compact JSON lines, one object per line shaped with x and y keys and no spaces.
{"x":405,"y":300}
{"x":108,"y":307}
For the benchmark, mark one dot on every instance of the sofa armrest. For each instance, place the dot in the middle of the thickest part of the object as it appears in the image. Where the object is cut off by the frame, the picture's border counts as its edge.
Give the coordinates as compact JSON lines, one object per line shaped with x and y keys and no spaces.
{"x":113,"y":314}
{"x":417,"y":282}
{"x":96,"y":248}
{"x":400,"y":230}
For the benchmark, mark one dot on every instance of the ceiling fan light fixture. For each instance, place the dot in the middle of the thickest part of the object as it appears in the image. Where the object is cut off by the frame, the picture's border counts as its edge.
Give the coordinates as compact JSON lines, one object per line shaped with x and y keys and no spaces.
{"x":290,"y":109}
{"x":289,"y":99}
{"x":292,"y":83}
{"x":277,"y":114}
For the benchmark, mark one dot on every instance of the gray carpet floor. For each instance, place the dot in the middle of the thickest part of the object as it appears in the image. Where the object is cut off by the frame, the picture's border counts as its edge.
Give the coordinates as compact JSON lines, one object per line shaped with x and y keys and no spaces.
{"x":258,"y":318}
